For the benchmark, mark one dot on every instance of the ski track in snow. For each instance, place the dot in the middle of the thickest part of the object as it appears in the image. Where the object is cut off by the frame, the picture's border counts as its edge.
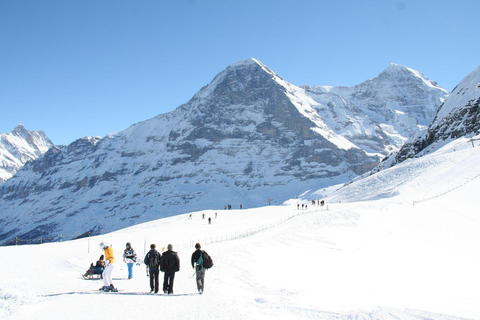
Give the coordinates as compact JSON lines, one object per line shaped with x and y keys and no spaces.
{"x":375,"y":259}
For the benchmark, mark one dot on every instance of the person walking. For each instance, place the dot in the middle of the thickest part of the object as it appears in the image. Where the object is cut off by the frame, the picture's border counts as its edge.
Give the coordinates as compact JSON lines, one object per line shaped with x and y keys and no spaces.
{"x":107,"y":272}
{"x":129,"y":257}
{"x":152,"y":260}
{"x":198,"y":266}
{"x":169,"y":264}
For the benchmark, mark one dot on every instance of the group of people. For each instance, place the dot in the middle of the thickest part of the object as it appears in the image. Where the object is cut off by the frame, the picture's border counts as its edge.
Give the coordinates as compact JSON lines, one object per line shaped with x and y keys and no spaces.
{"x":168,"y":263}
{"x":229,"y":207}
{"x":320,"y":203}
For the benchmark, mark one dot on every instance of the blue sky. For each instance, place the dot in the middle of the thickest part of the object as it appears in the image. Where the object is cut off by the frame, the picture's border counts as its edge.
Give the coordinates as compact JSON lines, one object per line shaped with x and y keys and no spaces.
{"x":93,"y":67}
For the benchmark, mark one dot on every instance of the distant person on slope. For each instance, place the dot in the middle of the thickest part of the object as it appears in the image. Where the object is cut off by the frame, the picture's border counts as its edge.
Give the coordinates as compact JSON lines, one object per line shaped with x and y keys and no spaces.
{"x":109,"y":263}
{"x":152,"y":261}
{"x":129,"y":257}
{"x":169,"y":264}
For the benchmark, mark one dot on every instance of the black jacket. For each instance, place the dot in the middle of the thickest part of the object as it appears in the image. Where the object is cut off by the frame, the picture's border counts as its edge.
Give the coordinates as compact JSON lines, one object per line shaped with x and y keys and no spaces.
{"x":150,"y":255}
{"x":170,"y":262}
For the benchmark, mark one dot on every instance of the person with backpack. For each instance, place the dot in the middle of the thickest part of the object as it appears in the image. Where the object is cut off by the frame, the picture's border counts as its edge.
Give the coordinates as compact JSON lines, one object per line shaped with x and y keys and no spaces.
{"x":152,"y":261}
{"x":107,"y":272}
{"x":200,"y":262}
{"x":129,"y":257}
{"x":169,"y":264}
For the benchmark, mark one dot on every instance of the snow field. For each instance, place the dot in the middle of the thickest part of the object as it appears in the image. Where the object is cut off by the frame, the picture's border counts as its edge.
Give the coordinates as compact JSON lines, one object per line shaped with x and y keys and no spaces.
{"x":381,"y":258}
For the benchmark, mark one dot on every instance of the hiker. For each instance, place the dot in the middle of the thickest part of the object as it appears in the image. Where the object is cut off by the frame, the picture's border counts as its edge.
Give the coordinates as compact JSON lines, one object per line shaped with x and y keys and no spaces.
{"x":152,"y":261}
{"x":95,"y":269}
{"x":129,"y":257}
{"x":169,"y":264}
{"x":108,"y":264}
{"x":199,"y":270}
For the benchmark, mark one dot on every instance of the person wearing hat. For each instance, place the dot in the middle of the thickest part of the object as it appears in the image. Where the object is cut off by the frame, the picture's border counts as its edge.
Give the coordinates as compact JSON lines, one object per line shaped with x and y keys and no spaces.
{"x":199,"y":269}
{"x":129,"y":257}
{"x":107,"y":272}
{"x":169,"y":264}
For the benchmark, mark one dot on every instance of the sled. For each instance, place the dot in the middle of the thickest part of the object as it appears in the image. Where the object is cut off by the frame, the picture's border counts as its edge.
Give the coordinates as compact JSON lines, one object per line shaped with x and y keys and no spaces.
{"x":93,"y":276}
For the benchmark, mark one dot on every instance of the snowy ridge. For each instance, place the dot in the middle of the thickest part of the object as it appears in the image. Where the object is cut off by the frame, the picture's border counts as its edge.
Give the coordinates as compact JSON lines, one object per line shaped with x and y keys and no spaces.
{"x":394,"y":68}
{"x":381,"y":114}
{"x":466,"y":91}
{"x":378,"y":258}
{"x":458,"y":116}
{"x":18,"y":147}
{"x":297,"y":96}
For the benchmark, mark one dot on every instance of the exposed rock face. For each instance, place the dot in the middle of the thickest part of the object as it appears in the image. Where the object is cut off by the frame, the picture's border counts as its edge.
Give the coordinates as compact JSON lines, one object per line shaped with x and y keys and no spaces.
{"x":246,"y":137}
{"x":18,"y":147}
{"x":459,"y":116}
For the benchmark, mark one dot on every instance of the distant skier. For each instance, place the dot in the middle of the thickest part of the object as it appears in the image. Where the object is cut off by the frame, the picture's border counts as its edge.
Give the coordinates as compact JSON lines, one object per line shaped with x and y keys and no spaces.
{"x":109,"y":263}
{"x":169,"y":264}
{"x":209,"y":220}
{"x":152,"y":261}
{"x":129,"y":257}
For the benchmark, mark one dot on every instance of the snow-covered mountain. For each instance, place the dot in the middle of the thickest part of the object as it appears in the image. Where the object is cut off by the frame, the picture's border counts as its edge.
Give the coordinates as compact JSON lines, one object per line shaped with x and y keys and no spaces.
{"x":458,"y":116}
{"x":18,"y":147}
{"x":246,"y":138}
{"x":380,"y":114}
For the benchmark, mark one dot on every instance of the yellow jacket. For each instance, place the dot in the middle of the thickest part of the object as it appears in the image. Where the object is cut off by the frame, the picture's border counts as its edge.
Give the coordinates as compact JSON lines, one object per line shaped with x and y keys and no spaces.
{"x":109,"y":255}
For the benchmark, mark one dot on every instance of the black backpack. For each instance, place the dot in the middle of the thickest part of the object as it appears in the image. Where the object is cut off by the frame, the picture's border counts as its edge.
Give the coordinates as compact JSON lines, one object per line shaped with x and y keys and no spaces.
{"x":153,"y":260}
{"x":207,"y":260}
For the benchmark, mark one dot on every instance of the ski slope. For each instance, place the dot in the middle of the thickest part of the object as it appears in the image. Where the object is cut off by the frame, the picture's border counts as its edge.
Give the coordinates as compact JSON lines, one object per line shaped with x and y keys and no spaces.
{"x":401,"y":244}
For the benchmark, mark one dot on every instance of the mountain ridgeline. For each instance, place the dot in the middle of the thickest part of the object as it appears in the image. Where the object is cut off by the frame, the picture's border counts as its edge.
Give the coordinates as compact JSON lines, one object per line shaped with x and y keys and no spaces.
{"x":18,"y":147}
{"x":458,"y":116}
{"x":246,"y":138}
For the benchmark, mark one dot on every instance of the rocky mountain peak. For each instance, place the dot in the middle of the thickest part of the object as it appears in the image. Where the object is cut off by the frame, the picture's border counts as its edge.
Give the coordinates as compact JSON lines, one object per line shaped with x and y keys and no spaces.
{"x":239,"y":76}
{"x":18,"y":147}
{"x":402,"y":74}
{"x":458,"y":116}
{"x":20,"y":130}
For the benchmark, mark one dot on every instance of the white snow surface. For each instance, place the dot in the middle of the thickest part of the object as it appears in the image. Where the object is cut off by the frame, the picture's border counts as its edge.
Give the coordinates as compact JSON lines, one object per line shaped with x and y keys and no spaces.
{"x":402,"y":244}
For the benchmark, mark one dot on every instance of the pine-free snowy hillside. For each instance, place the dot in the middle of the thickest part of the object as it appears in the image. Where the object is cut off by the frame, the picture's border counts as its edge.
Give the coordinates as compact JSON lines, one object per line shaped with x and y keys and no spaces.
{"x":18,"y":147}
{"x":247,"y":137}
{"x":411,"y":253}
